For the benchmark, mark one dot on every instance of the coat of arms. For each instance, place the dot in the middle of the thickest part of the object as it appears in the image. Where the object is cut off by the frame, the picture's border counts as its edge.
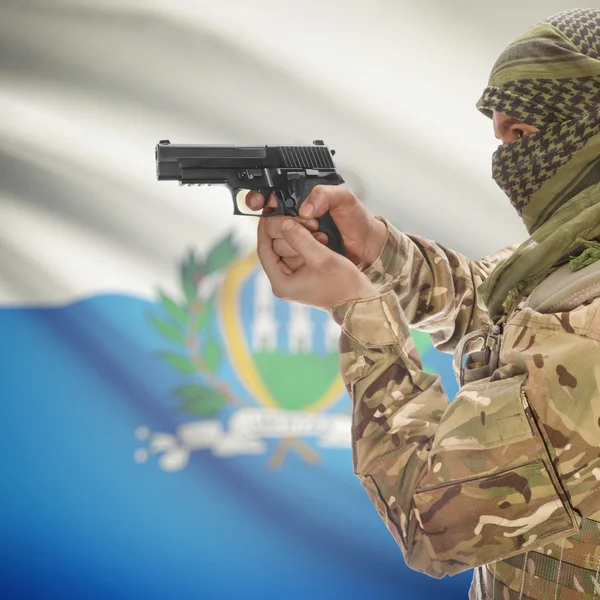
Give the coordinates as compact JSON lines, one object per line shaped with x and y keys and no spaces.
{"x":258,"y":375}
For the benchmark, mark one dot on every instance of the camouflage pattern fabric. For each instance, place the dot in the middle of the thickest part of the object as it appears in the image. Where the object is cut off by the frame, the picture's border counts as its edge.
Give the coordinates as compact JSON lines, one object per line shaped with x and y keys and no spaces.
{"x":549,"y":247}
{"x":407,"y":266}
{"x":567,"y":570}
{"x":550,"y":78}
{"x":511,"y":467}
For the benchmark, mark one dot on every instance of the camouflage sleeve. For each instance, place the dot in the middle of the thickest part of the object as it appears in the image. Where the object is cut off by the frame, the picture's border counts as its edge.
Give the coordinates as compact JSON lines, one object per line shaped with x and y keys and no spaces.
{"x":464,"y":484}
{"x":436,"y":287}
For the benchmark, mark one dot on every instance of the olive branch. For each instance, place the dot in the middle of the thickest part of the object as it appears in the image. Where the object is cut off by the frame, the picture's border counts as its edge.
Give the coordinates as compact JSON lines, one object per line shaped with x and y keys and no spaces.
{"x":188,"y":323}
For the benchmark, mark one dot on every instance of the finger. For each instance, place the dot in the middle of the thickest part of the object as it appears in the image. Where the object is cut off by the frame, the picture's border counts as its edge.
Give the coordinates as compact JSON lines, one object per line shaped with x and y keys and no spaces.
{"x":271,"y":204}
{"x":254,"y":200}
{"x":285,"y":268}
{"x":269,"y":260}
{"x":324,"y":198}
{"x":302,"y":241}
{"x":310,"y":224}
{"x":283,"y":249}
{"x":294,"y":262}
{"x":273,"y":225}
{"x":321,"y":237}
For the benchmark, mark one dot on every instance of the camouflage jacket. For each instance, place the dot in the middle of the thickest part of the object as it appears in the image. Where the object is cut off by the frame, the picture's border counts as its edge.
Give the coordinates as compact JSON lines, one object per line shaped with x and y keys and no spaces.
{"x":513,"y":463}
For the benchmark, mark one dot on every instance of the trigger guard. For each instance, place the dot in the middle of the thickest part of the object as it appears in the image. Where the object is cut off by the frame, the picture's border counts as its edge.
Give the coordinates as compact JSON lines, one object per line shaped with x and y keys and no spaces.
{"x":281,"y":206}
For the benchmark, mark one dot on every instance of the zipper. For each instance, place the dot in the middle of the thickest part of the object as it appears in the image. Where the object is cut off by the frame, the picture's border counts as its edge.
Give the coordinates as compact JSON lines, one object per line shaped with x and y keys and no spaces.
{"x":533,"y":422}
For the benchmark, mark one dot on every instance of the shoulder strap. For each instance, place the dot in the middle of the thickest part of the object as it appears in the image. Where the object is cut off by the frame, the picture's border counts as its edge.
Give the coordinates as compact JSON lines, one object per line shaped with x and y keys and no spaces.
{"x":565,"y":289}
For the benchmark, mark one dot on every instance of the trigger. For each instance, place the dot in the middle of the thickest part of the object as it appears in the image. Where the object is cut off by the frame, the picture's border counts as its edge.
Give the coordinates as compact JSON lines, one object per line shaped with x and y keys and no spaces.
{"x":273,"y":210}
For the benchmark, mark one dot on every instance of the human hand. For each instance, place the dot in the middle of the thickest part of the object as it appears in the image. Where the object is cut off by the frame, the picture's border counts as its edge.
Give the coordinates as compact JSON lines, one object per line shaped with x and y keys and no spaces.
{"x":324,"y":279}
{"x":363,"y":235}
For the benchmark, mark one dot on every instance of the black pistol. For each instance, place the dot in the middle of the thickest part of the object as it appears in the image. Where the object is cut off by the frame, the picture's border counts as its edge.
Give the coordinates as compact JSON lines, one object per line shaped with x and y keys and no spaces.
{"x":289,"y":172}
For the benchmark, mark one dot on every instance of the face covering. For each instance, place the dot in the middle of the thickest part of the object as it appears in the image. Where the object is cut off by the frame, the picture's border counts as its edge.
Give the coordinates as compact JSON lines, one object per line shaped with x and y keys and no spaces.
{"x":541,"y":172}
{"x":549,"y":78}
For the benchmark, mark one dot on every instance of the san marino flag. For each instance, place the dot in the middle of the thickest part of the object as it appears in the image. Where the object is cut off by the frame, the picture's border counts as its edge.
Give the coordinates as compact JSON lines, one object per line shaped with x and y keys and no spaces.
{"x":170,"y":430}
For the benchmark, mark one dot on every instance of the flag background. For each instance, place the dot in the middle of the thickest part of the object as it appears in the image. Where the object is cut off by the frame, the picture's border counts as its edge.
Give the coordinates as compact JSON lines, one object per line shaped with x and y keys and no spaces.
{"x":141,"y":458}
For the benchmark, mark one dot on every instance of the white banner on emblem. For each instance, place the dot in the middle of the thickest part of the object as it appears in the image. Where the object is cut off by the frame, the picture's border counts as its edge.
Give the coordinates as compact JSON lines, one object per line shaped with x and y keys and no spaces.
{"x":246,"y":433}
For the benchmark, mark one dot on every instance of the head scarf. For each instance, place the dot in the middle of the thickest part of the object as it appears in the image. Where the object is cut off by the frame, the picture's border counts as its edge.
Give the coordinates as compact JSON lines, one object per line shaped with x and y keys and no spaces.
{"x":549,"y":77}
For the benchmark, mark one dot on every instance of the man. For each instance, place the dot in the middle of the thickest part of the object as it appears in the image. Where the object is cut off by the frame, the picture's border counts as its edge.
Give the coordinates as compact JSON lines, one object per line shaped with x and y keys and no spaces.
{"x":506,"y":478}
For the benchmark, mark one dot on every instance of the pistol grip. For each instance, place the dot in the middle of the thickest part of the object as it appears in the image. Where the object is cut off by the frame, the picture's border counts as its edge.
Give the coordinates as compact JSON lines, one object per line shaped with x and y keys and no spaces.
{"x":327,"y":225}
{"x":302,"y":189}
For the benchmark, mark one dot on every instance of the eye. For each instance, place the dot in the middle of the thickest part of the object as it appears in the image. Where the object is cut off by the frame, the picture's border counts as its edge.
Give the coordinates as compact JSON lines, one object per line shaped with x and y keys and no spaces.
{"x":519,"y":133}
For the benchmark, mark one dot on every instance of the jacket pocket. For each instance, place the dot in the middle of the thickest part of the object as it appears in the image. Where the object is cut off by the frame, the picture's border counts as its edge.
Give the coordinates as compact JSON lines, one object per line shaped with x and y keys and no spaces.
{"x":485,"y":414}
{"x":478,"y":520}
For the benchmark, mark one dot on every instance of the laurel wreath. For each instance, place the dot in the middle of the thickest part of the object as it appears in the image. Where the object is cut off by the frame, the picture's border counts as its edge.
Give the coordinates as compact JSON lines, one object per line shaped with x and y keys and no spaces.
{"x":189,"y":326}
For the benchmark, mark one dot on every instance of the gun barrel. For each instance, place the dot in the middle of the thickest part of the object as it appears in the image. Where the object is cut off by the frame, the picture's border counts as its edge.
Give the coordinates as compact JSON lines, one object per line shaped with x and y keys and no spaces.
{"x":172,"y":159}
{"x":177,"y":152}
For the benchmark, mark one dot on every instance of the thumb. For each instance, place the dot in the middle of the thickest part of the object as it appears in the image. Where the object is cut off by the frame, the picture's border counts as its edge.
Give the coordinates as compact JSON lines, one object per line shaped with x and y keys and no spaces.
{"x":325,"y":198}
{"x":302,"y":241}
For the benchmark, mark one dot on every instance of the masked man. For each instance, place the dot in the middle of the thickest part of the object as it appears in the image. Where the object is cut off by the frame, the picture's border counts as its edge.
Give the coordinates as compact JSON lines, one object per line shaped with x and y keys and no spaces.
{"x":506,"y":478}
